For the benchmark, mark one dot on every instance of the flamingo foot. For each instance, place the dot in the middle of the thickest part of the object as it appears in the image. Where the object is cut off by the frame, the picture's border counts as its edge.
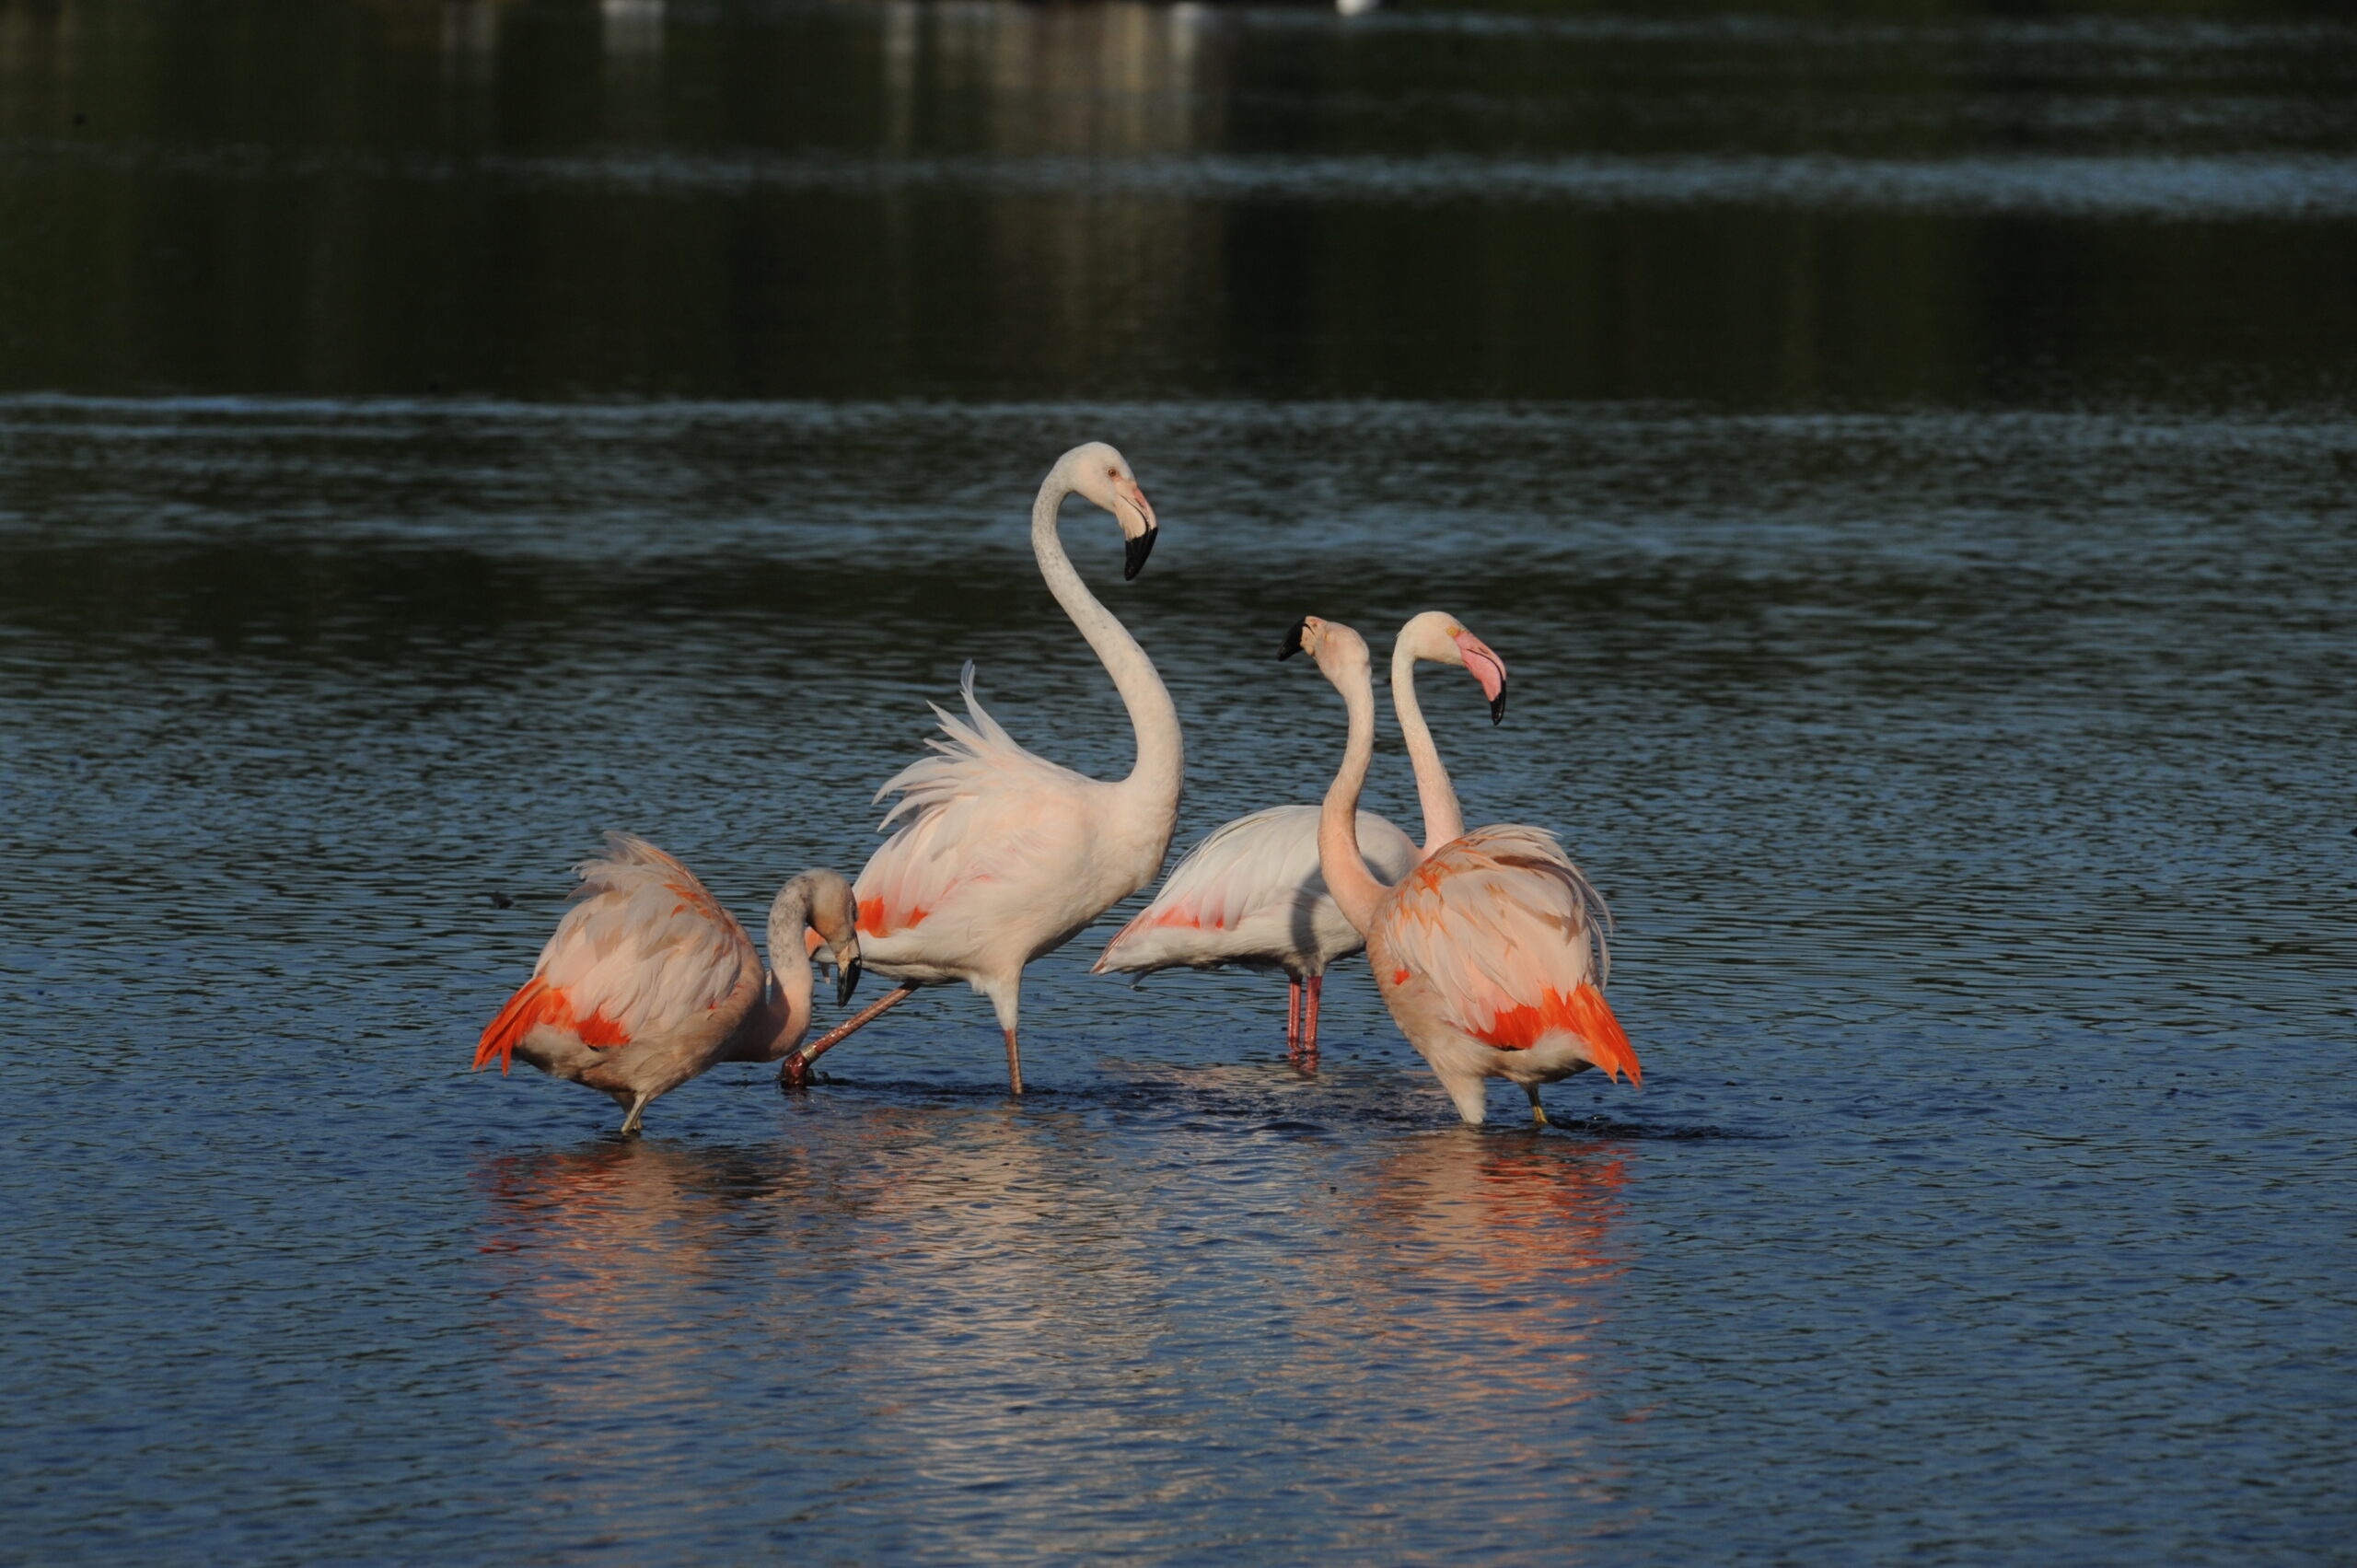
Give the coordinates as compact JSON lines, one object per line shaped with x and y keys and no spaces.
{"x":794,"y":1073}
{"x":1538,"y":1111}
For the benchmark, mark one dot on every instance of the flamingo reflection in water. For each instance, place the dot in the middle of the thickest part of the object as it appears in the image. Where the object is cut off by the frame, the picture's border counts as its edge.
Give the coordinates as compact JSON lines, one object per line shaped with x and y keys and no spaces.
{"x":1486,"y":1272}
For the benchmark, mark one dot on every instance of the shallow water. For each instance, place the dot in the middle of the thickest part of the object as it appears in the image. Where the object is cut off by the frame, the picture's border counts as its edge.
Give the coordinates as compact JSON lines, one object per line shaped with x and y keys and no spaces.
{"x":1960,"y":724}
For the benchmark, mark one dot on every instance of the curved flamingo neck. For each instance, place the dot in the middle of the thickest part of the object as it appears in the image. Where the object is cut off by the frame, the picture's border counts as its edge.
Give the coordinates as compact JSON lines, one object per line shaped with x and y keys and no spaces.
{"x":1161,"y":762}
{"x":782,"y":1014}
{"x":1356,"y":889}
{"x":1443,"y":820}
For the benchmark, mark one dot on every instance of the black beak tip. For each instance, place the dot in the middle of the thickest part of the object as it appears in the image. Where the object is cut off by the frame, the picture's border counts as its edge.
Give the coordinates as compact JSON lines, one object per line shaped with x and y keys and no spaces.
{"x":1134,"y":555}
{"x":846,"y":982}
{"x":1293,"y":639}
{"x":1498,"y":708}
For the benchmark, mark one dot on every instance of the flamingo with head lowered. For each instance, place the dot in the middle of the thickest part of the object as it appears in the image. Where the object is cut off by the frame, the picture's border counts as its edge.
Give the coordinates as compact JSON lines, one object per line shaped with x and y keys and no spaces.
{"x":1004,"y":855}
{"x":1250,"y":894}
{"x":648,"y":981}
{"x":1490,"y":954}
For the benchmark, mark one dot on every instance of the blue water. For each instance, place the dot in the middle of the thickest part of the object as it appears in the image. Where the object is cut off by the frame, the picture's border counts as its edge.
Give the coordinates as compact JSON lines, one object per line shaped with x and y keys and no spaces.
{"x":1927,"y":585}
{"x":1982,"y":860}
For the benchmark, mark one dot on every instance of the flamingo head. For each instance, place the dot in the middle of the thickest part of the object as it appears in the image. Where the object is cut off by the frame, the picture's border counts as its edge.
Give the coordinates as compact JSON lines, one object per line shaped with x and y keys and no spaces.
{"x":1338,"y":651}
{"x":1102,"y":474}
{"x":1439,"y":638}
{"x":831,"y":911}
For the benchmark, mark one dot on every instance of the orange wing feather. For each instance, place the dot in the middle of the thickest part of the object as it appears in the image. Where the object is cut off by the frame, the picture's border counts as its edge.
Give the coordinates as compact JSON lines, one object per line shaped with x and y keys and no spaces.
{"x":537,"y":1003}
{"x":1584,"y":1012}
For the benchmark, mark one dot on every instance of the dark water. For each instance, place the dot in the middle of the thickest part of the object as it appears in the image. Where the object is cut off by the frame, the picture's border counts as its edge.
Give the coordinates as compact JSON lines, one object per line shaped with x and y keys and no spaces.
{"x":1906,"y":459}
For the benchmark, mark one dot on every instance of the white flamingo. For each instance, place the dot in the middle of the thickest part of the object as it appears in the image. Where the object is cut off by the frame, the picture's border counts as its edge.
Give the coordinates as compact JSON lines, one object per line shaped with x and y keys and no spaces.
{"x":1005,"y":855}
{"x":1250,"y":894}
{"x":1490,"y":954}
{"x":648,"y":981}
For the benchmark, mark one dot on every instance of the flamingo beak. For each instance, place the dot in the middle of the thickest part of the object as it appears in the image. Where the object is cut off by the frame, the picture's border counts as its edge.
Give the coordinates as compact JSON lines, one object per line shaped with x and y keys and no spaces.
{"x":846,"y":982}
{"x":1489,"y":669}
{"x":1293,"y":639}
{"x":1139,"y":545}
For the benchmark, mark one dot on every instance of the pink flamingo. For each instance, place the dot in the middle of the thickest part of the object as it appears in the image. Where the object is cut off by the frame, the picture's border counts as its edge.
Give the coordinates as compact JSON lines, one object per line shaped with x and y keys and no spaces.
{"x":1005,"y":855}
{"x":648,"y":981}
{"x":1490,"y":954}
{"x":1250,"y":894}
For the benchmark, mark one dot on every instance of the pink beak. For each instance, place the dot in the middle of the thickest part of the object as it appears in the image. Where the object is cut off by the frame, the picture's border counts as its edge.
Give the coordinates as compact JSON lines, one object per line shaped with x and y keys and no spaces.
{"x":1488,"y":668}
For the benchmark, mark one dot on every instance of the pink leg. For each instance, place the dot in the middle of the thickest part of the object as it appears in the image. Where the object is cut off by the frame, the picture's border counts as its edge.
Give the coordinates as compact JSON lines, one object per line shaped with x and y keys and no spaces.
{"x":795,"y":1073}
{"x":1310,"y":1024}
{"x":1293,"y":1015}
{"x":1014,"y":1065}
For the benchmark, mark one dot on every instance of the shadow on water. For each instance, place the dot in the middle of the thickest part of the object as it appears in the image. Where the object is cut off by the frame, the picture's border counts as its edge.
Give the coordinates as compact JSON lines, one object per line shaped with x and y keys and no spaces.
{"x":1265,"y":1099}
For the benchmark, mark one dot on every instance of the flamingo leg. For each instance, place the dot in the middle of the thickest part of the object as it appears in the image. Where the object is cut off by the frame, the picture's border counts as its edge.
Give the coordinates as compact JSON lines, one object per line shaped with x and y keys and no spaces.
{"x":1538,"y":1111}
{"x":1293,"y":1014}
{"x":637,"y":1107}
{"x":796,"y":1072}
{"x":1309,"y":1019}
{"x":1014,"y":1065}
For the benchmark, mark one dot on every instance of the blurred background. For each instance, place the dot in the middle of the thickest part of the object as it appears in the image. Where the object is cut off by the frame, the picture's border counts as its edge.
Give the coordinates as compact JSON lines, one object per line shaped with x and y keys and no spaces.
{"x":1771,"y":203}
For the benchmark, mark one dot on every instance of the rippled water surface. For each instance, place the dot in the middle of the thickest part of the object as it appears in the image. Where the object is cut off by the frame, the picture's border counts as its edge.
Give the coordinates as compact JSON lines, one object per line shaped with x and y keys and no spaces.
{"x":1908,"y":467}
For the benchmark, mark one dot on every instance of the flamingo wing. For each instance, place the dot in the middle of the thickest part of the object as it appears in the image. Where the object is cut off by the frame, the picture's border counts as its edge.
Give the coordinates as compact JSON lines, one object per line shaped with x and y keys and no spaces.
{"x":1260,"y":867}
{"x":981,"y":807}
{"x":645,"y":951}
{"x":1508,"y":937}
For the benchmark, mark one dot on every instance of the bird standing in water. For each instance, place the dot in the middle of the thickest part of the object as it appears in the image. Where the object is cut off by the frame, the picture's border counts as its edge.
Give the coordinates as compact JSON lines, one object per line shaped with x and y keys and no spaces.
{"x":1490,"y":954}
{"x":1005,"y":855}
{"x":649,"y":982}
{"x":1252,"y":895}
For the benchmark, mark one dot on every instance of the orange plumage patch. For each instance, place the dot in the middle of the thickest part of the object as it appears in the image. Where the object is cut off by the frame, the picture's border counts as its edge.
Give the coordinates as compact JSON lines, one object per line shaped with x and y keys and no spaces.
{"x":1398,"y":977}
{"x":1584,"y":1013}
{"x":873,"y":920}
{"x":537,"y":1003}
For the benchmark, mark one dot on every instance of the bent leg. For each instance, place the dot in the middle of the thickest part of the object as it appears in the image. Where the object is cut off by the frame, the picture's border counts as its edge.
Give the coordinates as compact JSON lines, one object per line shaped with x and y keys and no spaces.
{"x":796,"y":1072}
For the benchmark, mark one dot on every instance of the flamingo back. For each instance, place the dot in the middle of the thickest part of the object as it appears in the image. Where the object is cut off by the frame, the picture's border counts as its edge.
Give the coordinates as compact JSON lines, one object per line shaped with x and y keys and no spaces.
{"x":647,"y":950}
{"x":991,"y":829}
{"x":1252,"y":891}
{"x":1507,"y":939}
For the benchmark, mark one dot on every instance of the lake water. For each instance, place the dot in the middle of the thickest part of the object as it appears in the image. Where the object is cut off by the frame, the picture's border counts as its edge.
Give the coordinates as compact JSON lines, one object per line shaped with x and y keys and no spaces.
{"x":1906,"y":462}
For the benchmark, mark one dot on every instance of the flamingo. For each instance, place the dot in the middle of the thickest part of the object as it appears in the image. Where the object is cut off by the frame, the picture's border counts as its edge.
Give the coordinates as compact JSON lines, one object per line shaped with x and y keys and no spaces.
{"x":1004,"y":855}
{"x":648,"y":981}
{"x":1250,"y":894}
{"x":1490,"y":954}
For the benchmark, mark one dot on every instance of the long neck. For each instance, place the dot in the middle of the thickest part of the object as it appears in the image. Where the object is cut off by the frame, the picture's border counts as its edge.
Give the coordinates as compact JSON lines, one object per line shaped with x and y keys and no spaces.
{"x":782,"y":1017}
{"x":1161,"y":759}
{"x":1356,"y":891}
{"x":1442,"y":819}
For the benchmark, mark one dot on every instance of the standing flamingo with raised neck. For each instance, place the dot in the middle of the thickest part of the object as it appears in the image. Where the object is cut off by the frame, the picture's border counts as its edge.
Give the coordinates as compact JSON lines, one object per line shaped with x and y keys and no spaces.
{"x":649,"y":982}
{"x":1252,"y":895}
{"x":1490,"y":954}
{"x":1005,"y":855}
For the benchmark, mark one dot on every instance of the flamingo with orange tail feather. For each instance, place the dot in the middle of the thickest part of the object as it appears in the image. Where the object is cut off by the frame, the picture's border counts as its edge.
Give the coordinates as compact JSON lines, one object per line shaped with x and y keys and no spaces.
{"x":649,"y":982}
{"x":1490,"y":954}
{"x":1250,"y":894}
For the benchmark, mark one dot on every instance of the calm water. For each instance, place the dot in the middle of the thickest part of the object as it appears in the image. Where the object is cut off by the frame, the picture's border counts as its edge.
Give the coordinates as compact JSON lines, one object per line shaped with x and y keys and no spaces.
{"x":1907,"y":463}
